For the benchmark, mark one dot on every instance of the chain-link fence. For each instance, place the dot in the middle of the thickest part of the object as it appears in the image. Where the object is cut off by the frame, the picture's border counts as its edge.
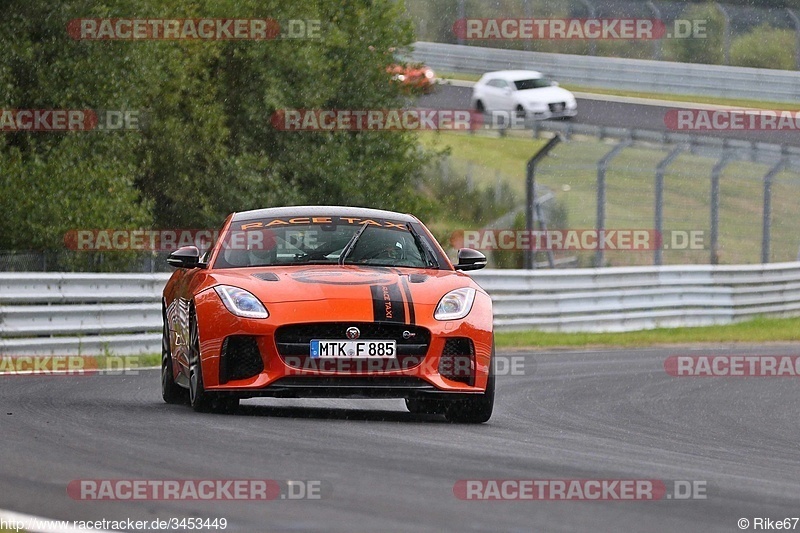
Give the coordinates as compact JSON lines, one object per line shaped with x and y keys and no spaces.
{"x":692,"y":200}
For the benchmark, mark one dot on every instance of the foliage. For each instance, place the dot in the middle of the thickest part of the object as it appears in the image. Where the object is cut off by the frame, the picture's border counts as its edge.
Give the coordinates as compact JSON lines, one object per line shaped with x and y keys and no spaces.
{"x":207,"y":147}
{"x":707,"y":50}
{"x":764,"y":47}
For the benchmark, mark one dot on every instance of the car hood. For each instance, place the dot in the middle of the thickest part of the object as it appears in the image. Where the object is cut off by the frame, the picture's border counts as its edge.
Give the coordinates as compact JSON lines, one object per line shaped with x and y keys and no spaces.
{"x":333,"y":282}
{"x":545,"y":94}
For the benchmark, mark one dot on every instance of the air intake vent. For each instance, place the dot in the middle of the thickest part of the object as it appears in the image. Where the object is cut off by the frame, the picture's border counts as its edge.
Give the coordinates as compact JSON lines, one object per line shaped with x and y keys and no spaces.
{"x":239,"y":358}
{"x":458,"y":360}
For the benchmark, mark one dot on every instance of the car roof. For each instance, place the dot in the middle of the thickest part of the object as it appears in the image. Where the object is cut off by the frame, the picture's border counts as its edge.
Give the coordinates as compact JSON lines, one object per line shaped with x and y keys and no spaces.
{"x":513,"y":75}
{"x":321,"y":210}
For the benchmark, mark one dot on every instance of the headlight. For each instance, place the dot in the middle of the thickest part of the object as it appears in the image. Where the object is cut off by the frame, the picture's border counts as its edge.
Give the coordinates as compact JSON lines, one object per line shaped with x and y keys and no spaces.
{"x":429,"y":74}
{"x":400,"y":77}
{"x":455,"y":304}
{"x":240,"y":302}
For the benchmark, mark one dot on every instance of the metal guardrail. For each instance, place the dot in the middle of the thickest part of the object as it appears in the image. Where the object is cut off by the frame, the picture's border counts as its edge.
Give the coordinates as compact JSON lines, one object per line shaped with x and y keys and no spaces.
{"x":618,"y":73}
{"x":89,"y":314}
{"x":634,"y":298}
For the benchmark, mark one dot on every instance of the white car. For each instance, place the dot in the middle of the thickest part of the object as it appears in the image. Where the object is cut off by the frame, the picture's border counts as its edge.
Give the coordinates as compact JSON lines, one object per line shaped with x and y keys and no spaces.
{"x":524,"y":92}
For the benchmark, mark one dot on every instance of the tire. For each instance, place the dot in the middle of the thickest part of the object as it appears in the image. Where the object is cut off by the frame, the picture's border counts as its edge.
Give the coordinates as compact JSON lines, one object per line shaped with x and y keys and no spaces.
{"x":424,"y":407}
{"x":475,"y":410}
{"x":521,"y":113}
{"x":479,"y":107}
{"x":201,"y":400}
{"x":171,"y":392}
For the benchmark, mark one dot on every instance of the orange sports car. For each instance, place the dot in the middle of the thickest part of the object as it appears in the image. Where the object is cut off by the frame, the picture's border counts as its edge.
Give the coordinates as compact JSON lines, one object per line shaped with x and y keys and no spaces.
{"x":328,"y":302}
{"x":414,"y":78}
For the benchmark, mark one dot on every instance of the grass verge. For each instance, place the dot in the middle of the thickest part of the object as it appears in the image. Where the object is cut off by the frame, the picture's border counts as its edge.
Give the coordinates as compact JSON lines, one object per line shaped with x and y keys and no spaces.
{"x":759,"y":330}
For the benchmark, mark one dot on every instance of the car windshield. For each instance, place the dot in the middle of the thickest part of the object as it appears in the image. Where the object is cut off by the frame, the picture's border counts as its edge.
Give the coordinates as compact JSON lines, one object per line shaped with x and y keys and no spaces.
{"x":381,"y":243}
{"x":533,"y":83}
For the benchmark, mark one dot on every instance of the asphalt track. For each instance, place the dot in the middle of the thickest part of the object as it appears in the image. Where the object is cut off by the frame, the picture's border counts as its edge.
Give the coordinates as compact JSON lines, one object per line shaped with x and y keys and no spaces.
{"x":610,"y":414}
{"x":605,"y":111}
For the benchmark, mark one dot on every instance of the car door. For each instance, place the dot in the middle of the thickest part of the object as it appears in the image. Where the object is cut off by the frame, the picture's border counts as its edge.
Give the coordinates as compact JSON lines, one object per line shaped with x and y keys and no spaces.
{"x":504,"y":98}
{"x":493,"y":94}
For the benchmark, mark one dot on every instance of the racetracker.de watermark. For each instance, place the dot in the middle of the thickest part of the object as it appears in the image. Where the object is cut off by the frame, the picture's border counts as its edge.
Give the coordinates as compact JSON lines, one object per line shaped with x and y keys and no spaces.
{"x":634,"y":240}
{"x":61,"y":120}
{"x":579,"y":489}
{"x":68,"y":365}
{"x":164,"y":240}
{"x":375,"y":119}
{"x":197,"y":489}
{"x":732,"y":120}
{"x":577,"y":29}
{"x":206,"y":29}
{"x":733,"y":366}
{"x":458,"y":366}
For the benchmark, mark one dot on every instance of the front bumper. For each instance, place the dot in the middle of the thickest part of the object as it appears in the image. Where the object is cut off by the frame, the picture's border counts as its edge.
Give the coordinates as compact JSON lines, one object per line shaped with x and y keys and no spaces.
{"x":283,"y":371}
{"x":374,"y":387}
{"x":553,"y":110}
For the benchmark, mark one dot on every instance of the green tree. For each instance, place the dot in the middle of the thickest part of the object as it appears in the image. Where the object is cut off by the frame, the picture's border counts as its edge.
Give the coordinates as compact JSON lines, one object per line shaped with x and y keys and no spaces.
{"x":51,"y":182}
{"x":764,"y":47}
{"x":707,"y":50}
{"x":208,"y":147}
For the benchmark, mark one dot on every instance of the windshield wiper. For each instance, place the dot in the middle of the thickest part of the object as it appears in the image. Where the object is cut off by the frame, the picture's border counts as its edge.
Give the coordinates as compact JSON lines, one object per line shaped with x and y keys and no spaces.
{"x":430,"y":259}
{"x":351,"y":244}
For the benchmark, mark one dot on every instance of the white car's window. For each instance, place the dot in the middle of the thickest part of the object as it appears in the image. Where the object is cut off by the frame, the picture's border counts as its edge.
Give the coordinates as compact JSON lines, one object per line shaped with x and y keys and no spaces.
{"x":532,"y":83}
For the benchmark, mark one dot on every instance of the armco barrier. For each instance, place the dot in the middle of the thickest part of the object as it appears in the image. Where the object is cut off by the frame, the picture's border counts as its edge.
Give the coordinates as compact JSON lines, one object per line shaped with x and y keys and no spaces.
{"x":633,"y":298}
{"x":618,"y":73}
{"x":64,"y":314}
{"x":67,"y":314}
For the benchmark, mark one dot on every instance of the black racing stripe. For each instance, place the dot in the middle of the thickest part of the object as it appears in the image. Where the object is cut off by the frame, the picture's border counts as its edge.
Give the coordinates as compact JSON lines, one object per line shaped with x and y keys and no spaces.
{"x":387,"y":303}
{"x":407,"y":291}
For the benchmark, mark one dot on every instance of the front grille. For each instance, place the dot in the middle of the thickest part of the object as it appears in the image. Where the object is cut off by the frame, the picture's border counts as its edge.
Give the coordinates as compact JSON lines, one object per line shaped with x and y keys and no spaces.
{"x":294,"y":345}
{"x":239,"y":358}
{"x":558,"y":107}
{"x":458,"y":360}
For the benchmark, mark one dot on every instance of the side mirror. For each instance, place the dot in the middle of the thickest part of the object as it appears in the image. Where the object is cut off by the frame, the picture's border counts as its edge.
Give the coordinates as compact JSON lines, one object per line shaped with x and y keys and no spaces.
{"x":554,"y":84}
{"x":185,"y":257}
{"x":469,"y":259}
{"x":507,"y":90}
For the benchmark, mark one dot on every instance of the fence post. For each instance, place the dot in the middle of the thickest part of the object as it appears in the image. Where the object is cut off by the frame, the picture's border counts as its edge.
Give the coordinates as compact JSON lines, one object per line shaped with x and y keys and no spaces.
{"x":530,"y":195}
{"x":602,"y":166}
{"x":592,"y":15}
{"x":661,"y":169}
{"x":527,"y":12}
{"x":715,"y":175}
{"x":462,"y":14}
{"x":726,"y":33}
{"x":796,"y":22}
{"x":766,"y":224}
{"x":656,"y":42}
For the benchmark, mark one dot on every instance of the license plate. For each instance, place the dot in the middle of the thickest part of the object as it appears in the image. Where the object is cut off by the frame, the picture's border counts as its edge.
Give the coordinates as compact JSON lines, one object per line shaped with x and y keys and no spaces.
{"x":333,"y":349}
